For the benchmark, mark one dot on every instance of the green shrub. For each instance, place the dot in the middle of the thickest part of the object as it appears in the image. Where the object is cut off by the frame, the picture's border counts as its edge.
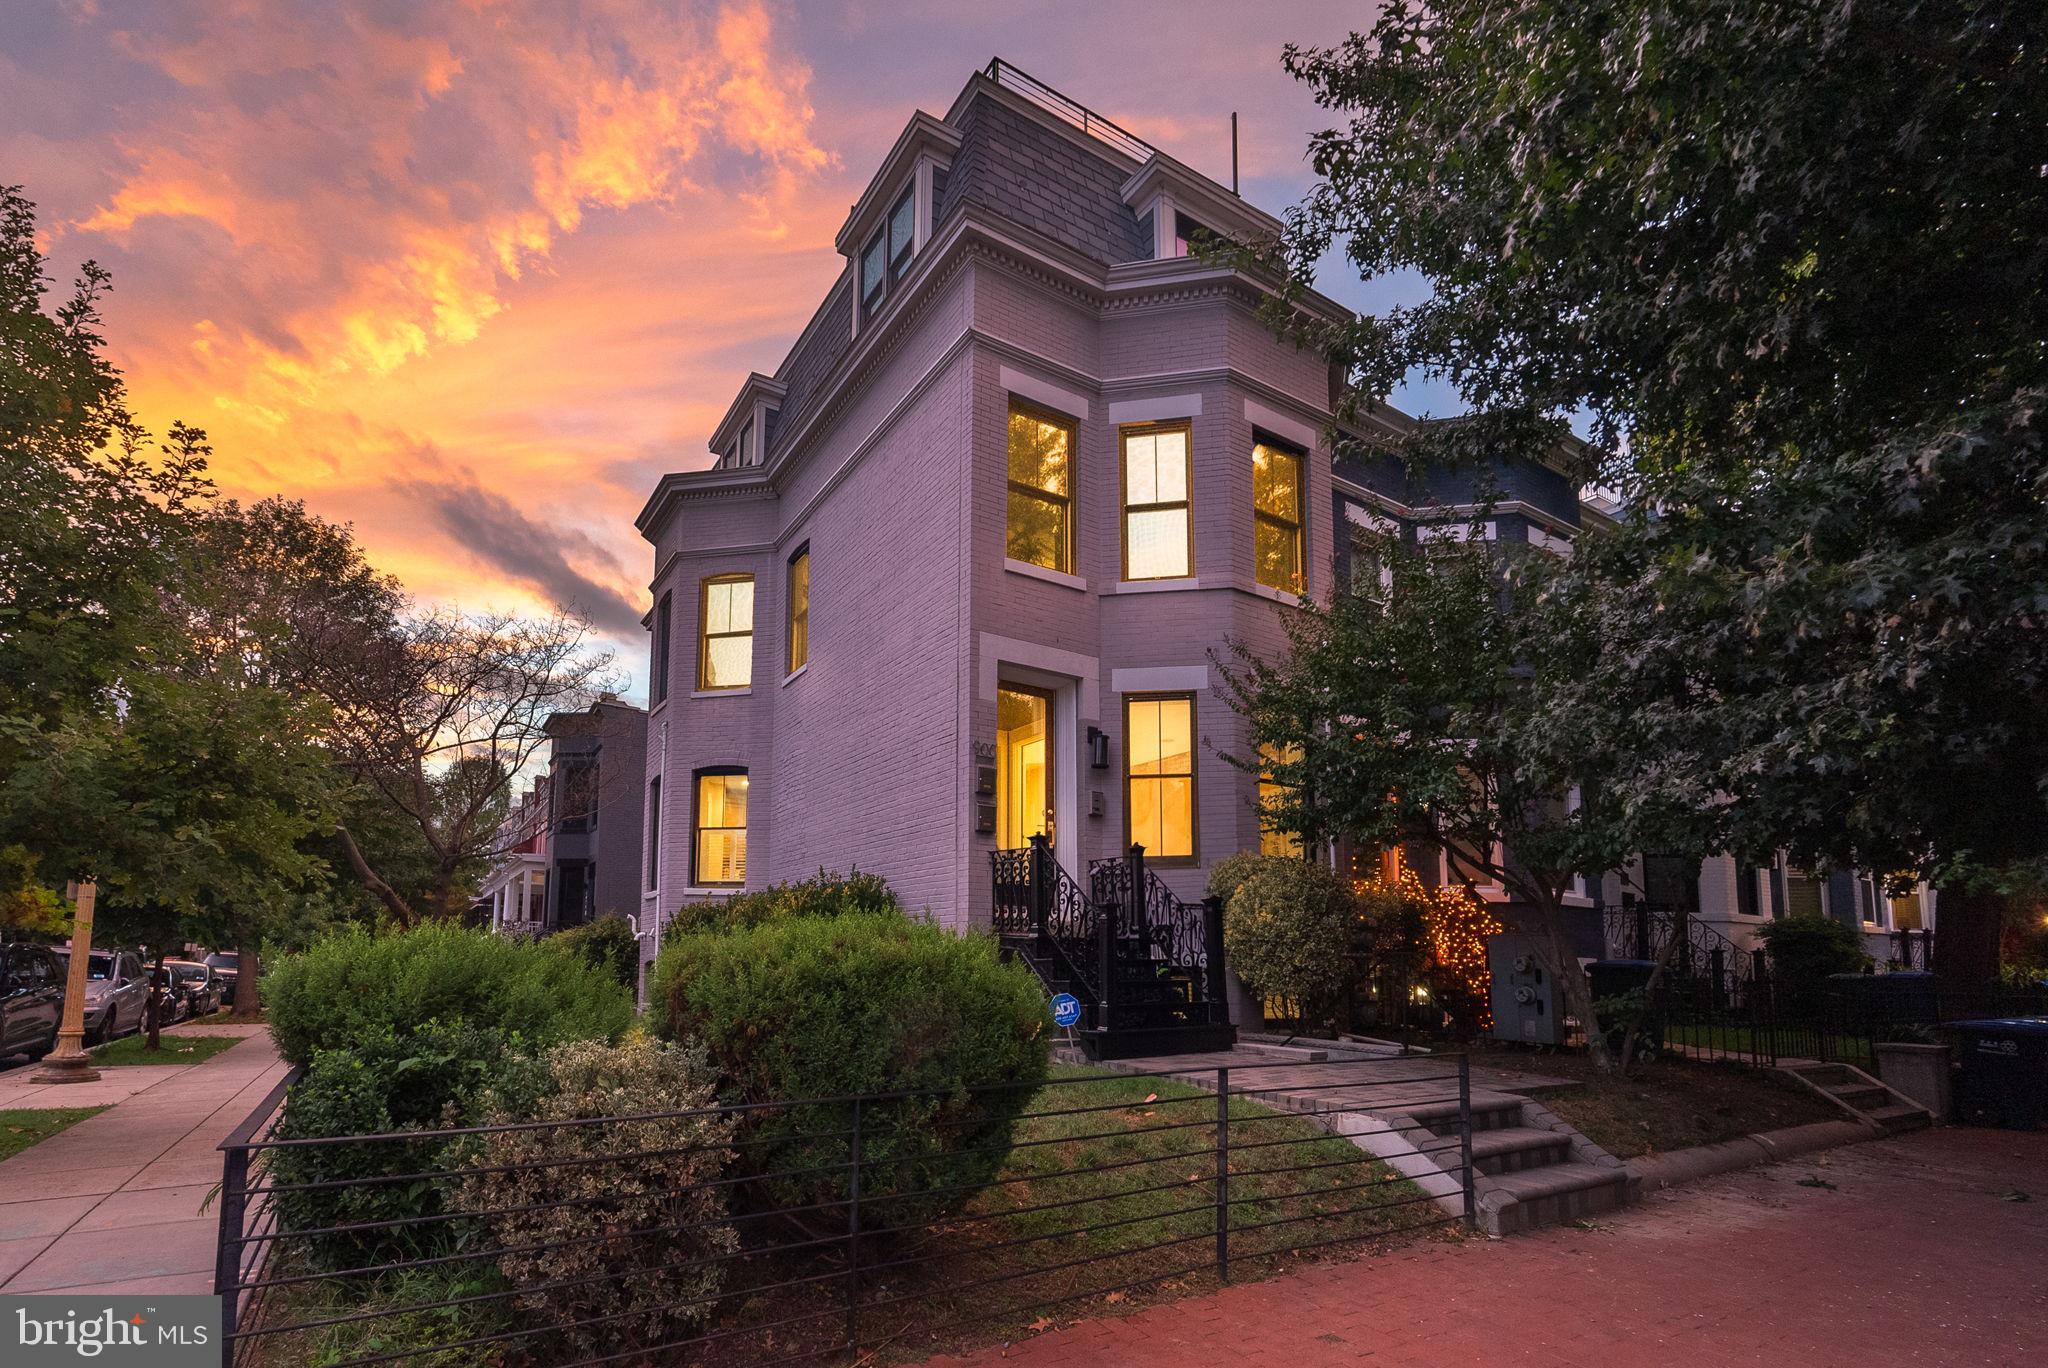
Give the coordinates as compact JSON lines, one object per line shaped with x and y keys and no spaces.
{"x":607,"y":944}
{"x":1230,"y":871}
{"x":649,"y":1210}
{"x":824,"y":895}
{"x":350,"y":985}
{"x":1287,"y":933}
{"x":427,"y":1079}
{"x":1804,"y":952}
{"x":415,"y":1333}
{"x":863,"y":1003}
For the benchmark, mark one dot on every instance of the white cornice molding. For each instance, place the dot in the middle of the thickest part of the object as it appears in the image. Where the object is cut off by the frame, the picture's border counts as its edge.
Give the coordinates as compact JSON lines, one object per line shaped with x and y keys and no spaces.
{"x":1217,"y":208}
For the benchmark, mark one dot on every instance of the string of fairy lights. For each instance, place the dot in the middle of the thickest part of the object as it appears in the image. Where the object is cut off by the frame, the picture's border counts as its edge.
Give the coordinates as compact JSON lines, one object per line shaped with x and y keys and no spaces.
{"x":1455,"y":925}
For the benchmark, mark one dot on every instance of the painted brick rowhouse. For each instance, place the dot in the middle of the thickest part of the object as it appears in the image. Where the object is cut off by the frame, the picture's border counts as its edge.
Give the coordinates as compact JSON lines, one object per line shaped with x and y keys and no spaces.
{"x":1041,"y":271}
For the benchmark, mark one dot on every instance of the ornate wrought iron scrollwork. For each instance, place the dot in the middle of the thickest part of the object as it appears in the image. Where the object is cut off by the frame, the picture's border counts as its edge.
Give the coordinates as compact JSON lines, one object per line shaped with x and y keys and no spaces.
{"x":1012,"y":874}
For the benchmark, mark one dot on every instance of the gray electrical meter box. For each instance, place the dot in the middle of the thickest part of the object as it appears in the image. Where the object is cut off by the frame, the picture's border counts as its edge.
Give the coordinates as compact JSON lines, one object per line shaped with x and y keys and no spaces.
{"x":1526,"y":1003}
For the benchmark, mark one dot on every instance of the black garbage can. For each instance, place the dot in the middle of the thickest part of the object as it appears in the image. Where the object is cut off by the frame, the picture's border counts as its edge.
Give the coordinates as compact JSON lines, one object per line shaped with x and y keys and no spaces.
{"x":1611,"y":978}
{"x":2002,"y":1072}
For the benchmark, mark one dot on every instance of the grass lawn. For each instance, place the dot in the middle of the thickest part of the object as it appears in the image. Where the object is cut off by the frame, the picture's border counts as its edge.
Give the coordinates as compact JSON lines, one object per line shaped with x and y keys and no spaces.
{"x":1043,"y":1245}
{"x":1664,"y":1104}
{"x":20,"y":1129}
{"x":177,"y":1049}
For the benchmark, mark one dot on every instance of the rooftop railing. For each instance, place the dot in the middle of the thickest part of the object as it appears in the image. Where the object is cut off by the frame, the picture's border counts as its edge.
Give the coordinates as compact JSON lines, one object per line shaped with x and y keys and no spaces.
{"x":1067,"y":109}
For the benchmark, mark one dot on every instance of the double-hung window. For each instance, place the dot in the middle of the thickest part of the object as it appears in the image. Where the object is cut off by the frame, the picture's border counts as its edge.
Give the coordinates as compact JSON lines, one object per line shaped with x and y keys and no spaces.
{"x":1159,"y":531}
{"x":664,"y":615}
{"x":720,"y":855}
{"x":1276,"y":516}
{"x":654,"y":833}
{"x":725,"y":654}
{"x":1040,"y":525}
{"x":902,"y":233}
{"x":1273,"y":794}
{"x":885,"y":259}
{"x":1159,"y":782}
{"x":800,"y":609}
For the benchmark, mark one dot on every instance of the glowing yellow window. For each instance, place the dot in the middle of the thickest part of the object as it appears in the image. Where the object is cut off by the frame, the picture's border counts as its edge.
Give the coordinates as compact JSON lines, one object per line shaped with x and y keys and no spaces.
{"x":1040,"y":528}
{"x":725,"y":656}
{"x":1276,"y":517}
{"x":1159,"y":785}
{"x":1158,"y":525}
{"x":1272,"y":840}
{"x":800,"y":610}
{"x":721,"y":854}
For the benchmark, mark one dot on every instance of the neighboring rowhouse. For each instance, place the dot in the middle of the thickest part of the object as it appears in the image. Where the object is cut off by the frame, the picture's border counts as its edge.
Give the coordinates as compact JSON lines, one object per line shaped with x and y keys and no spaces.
{"x":572,"y":847}
{"x":957,"y":572}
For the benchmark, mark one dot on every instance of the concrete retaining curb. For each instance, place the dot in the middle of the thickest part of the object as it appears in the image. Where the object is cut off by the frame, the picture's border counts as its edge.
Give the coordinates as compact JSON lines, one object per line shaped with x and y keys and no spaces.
{"x":1653,"y":1171}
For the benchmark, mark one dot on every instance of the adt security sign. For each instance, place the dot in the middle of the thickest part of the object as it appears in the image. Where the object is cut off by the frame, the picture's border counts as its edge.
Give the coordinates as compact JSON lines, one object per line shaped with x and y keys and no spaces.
{"x":1066,"y":1009}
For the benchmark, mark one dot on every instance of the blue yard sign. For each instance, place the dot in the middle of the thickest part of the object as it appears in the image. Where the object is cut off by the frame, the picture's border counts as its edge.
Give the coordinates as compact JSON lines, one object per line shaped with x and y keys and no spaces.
{"x":1066,"y":1009}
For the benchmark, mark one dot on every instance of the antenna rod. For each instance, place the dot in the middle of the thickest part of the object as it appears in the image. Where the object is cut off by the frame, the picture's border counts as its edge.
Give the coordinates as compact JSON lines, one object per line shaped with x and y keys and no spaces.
{"x":1233,"y":151}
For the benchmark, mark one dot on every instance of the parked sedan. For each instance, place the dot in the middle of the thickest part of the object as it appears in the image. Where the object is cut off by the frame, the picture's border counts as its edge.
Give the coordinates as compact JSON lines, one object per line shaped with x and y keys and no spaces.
{"x":116,"y":994}
{"x":31,"y":1000}
{"x":227,"y":967}
{"x":201,"y":989}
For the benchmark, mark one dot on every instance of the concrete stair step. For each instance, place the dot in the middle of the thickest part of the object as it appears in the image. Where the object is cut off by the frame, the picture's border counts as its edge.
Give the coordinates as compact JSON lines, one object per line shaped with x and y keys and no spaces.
{"x":1898,"y":1116}
{"x":1859,"y":1095}
{"x":1553,"y":1194}
{"x":1491,"y":1111}
{"x":1508,"y":1149}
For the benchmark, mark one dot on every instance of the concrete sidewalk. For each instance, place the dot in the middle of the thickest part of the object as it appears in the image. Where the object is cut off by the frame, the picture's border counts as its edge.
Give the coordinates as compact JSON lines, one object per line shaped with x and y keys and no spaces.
{"x":1929,"y":1250}
{"x":112,"y":1205}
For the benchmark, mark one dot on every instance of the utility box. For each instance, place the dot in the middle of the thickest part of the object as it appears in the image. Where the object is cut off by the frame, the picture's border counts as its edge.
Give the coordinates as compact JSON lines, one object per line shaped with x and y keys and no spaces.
{"x":2002,"y":1072}
{"x":1526,"y":1003}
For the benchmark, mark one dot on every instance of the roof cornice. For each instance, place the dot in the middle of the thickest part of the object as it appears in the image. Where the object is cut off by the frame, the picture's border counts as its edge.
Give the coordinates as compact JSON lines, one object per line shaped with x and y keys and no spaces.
{"x":1219,"y":209}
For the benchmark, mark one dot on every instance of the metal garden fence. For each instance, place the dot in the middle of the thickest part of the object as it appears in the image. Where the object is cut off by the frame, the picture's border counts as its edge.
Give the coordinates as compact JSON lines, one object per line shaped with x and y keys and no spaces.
{"x":829,"y":1226}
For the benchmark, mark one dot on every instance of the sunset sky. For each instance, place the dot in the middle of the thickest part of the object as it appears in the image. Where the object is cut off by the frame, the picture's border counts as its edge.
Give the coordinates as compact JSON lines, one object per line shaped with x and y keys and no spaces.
{"x":473,"y":275}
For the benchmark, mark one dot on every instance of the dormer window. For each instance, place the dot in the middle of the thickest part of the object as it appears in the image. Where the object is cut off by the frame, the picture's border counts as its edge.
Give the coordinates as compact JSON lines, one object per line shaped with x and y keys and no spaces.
{"x":746,"y":448}
{"x":902,"y":233}
{"x":1184,"y":231}
{"x":886,"y":259}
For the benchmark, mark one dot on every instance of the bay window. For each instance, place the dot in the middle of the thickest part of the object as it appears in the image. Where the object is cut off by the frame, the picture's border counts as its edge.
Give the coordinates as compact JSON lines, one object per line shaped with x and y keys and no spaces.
{"x":1276,"y":516}
{"x":1159,"y":782}
{"x":725,"y":653}
{"x":1039,"y":528}
{"x":1158,"y":532}
{"x":720,"y":828}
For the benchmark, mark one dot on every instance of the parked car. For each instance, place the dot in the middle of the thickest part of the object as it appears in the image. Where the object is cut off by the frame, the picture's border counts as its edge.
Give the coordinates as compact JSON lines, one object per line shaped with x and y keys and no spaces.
{"x":199,"y":988}
{"x":31,"y":1000}
{"x":116,"y":994}
{"x":226,"y":964}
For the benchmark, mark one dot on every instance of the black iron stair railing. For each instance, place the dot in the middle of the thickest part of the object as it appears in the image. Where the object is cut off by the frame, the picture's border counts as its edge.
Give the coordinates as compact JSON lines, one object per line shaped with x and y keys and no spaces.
{"x":1133,"y":954}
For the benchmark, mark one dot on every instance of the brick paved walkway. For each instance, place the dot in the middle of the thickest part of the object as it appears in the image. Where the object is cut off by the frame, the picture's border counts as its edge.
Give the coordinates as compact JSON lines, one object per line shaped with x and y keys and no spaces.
{"x":113,"y":1203}
{"x":1914,"y":1257}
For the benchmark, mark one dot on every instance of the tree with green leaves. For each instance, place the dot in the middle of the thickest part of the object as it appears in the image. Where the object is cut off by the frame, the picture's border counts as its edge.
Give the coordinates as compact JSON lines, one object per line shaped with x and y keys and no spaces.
{"x":1791,"y":263}
{"x":140,"y":744}
{"x":1421,"y":718}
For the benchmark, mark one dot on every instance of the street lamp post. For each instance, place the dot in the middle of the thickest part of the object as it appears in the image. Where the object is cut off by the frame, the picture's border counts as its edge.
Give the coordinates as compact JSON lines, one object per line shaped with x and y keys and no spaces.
{"x":69,"y":1063}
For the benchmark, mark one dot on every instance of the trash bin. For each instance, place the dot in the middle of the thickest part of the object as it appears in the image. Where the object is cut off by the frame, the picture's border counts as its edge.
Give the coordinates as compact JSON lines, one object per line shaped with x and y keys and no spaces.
{"x":1611,"y":978}
{"x":2002,"y":1072}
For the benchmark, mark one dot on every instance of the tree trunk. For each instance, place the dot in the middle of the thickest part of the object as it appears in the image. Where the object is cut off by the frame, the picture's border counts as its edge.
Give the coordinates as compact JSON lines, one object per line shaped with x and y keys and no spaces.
{"x":384,"y":892}
{"x":1578,"y":989}
{"x":248,"y":982}
{"x":1966,"y":933}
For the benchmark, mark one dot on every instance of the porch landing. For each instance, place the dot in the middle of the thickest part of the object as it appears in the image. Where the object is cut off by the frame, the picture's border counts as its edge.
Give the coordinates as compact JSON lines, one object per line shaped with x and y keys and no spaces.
{"x":1530,"y":1168}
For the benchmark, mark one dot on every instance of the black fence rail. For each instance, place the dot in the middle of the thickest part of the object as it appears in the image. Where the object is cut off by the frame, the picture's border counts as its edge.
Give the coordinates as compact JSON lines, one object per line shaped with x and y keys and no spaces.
{"x":759,"y":1234}
{"x":1760,"y":1020}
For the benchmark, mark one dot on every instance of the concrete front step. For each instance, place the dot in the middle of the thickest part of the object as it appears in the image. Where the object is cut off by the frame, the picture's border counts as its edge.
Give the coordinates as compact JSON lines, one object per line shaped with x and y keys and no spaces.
{"x":1506,"y":1149}
{"x":1551,"y":1195}
{"x":1490,"y":1111}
